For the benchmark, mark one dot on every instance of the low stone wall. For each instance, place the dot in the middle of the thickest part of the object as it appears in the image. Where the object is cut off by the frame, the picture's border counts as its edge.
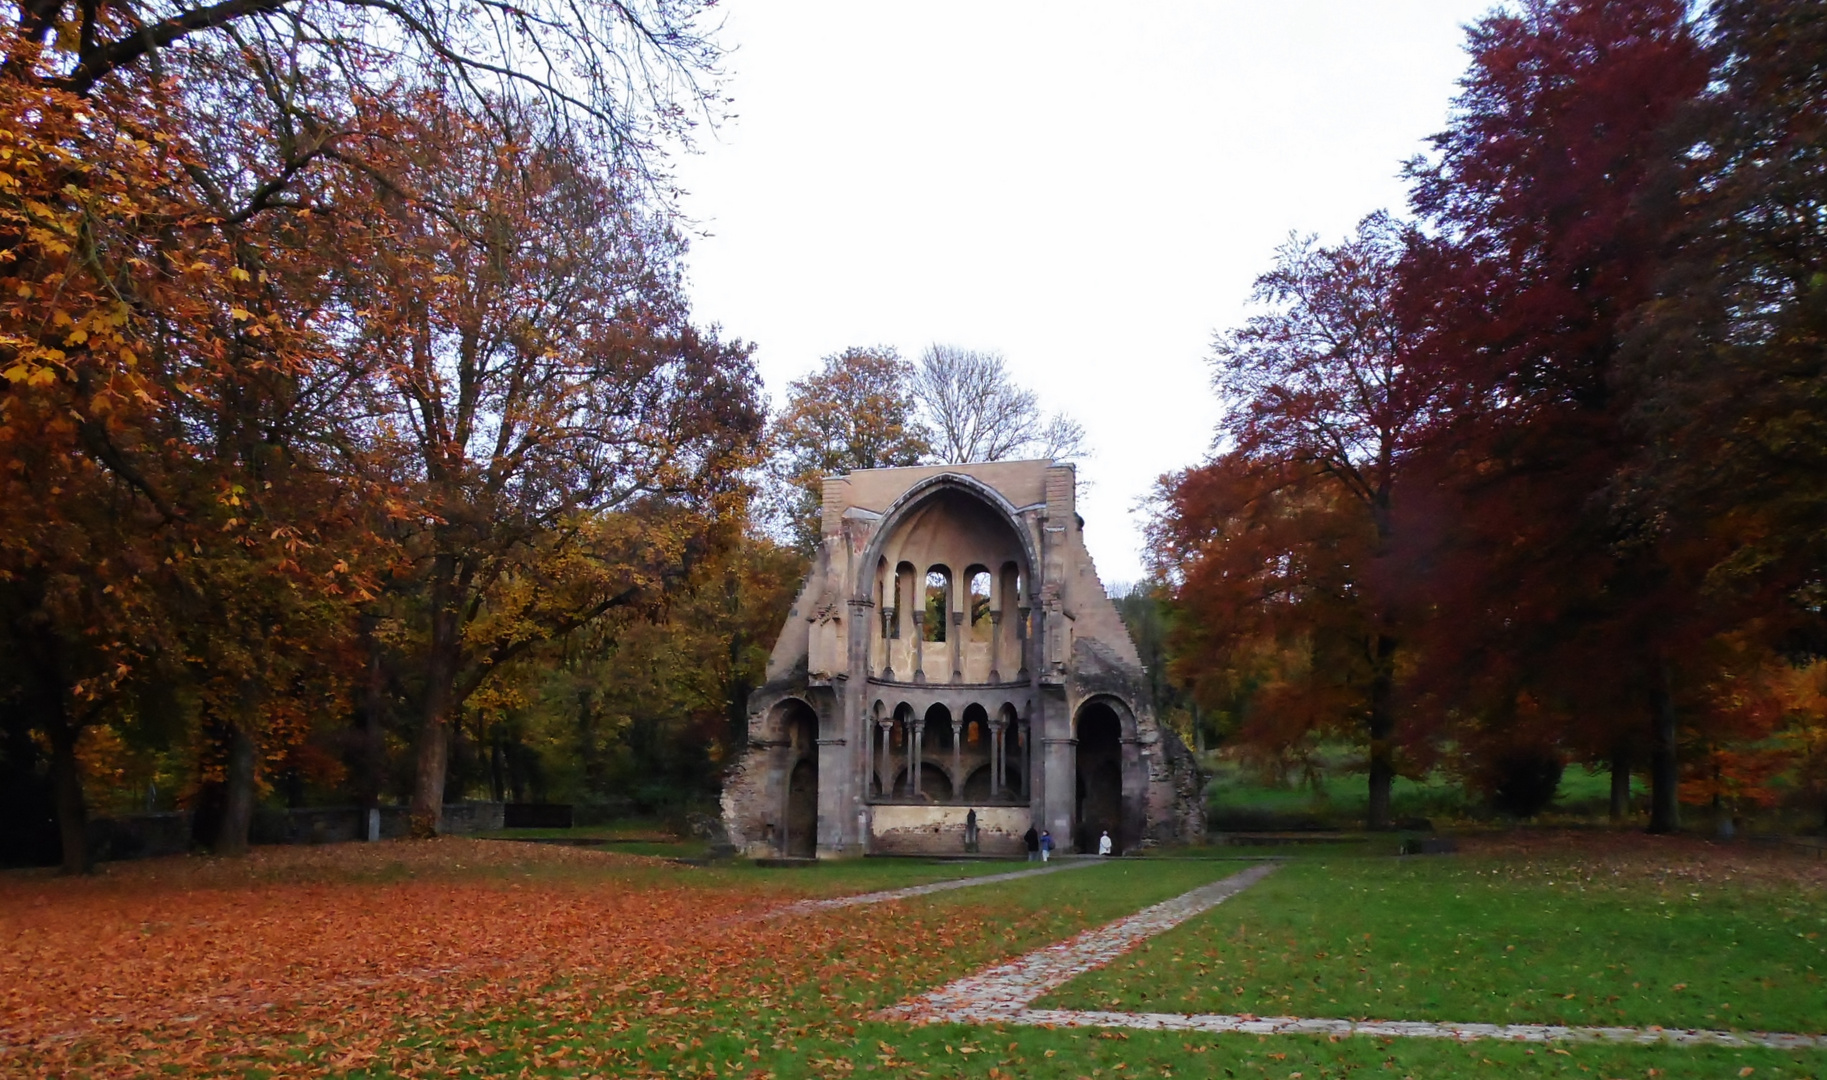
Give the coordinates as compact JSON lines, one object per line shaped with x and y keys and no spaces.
{"x":144,"y":836}
{"x":138,"y":836}
{"x":939,"y":830}
{"x":464,"y":818}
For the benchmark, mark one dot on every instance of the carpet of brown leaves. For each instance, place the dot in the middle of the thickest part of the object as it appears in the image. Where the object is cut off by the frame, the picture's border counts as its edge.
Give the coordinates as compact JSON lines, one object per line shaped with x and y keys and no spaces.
{"x":184,"y":961}
{"x":460,"y":957}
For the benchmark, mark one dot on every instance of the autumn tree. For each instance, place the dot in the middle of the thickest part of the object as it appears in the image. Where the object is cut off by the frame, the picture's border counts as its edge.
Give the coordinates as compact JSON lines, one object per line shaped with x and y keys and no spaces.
{"x":565,"y":437}
{"x":173,"y":405}
{"x":155,"y":394}
{"x":857,"y":411}
{"x":1728,"y":359}
{"x":1325,"y":405}
{"x":977,"y":412}
{"x":1550,"y":196}
{"x":647,"y":712}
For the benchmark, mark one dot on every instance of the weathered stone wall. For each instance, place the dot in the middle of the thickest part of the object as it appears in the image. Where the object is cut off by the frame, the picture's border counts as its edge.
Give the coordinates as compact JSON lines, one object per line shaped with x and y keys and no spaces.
{"x":853,"y":649}
{"x":927,"y":830}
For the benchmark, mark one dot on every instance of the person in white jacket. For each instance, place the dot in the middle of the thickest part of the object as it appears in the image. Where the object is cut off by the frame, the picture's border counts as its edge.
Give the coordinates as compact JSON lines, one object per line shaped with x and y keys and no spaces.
{"x":1103,"y":843}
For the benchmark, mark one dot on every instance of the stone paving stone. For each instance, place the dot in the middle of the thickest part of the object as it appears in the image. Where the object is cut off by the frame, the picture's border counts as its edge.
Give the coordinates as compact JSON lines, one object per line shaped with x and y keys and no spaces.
{"x":1006,"y":989}
{"x":1401,"y":1029}
{"x":806,"y":907}
{"x":1001,"y":995}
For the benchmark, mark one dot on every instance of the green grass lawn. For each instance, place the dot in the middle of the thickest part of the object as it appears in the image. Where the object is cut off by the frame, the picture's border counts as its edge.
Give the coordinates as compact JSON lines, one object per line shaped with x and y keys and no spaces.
{"x":755,"y":997}
{"x":789,"y":1022}
{"x":1480,"y":940}
{"x":1341,"y":799}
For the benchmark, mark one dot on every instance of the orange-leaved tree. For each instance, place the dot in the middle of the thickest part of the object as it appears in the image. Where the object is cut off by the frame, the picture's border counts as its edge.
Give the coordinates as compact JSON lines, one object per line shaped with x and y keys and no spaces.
{"x":1325,"y":409}
{"x":566,"y":442}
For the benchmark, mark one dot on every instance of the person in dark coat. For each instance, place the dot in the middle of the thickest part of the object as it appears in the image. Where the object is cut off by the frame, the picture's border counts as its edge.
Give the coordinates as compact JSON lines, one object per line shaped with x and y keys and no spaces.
{"x":1032,"y":840}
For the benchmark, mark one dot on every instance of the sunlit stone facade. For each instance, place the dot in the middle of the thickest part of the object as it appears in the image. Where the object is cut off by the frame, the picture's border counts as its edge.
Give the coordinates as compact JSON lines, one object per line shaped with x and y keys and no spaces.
{"x":952,"y":657}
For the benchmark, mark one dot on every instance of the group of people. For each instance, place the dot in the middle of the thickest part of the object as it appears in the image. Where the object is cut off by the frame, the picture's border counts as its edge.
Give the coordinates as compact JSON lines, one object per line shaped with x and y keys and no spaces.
{"x":1040,"y":844}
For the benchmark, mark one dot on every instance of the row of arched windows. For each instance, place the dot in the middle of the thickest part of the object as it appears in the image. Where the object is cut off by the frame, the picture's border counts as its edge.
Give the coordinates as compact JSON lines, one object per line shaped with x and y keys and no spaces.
{"x":986,"y":595}
{"x":904,"y":745}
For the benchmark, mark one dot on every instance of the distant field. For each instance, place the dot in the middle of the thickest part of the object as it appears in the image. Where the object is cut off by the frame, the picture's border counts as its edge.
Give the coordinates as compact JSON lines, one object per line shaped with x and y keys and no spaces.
{"x":1342,"y":796}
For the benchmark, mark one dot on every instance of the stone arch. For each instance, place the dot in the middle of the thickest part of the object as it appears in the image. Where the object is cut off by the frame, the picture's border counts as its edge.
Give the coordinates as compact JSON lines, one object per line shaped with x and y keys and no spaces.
{"x":976,"y":726}
{"x":1099,"y":728}
{"x":904,"y":588}
{"x":1013,"y":758}
{"x":936,"y":602}
{"x":938,"y":728}
{"x":911,"y":499}
{"x":977,"y":785}
{"x":935,"y":780}
{"x":798,"y":727}
{"x":980,"y":597}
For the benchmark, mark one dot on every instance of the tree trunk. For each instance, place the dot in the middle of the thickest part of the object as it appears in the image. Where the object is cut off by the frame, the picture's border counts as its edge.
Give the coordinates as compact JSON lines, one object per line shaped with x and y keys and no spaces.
{"x":1198,"y":730}
{"x":1382,"y":725}
{"x":497,"y":768}
{"x":1620,"y":782}
{"x":1664,"y":770}
{"x":427,"y":815}
{"x":373,"y":743}
{"x":66,"y":790}
{"x":441,"y":659}
{"x":237,"y":793}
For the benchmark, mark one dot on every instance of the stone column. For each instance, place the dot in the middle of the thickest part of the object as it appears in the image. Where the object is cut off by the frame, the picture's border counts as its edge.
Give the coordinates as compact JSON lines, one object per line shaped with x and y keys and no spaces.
{"x":907,"y":736}
{"x":891,"y":632}
{"x":913,"y":774}
{"x":886,"y":723}
{"x":957,"y":636}
{"x":833,"y":803}
{"x":995,"y":646}
{"x":868,"y":753}
{"x":1021,"y":639}
{"x":996,"y":760}
{"x":919,"y":645}
{"x":1024,"y":735}
{"x":957,"y":756}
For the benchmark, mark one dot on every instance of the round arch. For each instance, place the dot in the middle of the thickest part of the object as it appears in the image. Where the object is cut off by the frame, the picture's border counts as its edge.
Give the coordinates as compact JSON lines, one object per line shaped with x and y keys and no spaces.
{"x":1100,"y":727}
{"x":796,"y":724}
{"x":911,"y":499}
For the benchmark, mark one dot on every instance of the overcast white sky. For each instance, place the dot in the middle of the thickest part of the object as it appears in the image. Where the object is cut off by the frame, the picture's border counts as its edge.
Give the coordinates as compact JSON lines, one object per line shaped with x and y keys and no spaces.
{"x":1087,"y":188}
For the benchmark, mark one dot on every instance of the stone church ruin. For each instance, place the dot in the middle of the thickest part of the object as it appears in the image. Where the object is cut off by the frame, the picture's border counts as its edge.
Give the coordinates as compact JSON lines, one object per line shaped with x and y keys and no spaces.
{"x":952,"y":660}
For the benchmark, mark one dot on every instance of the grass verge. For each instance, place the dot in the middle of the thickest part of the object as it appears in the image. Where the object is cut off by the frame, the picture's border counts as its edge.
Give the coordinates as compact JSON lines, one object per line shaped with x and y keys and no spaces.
{"x":1555,"y":940}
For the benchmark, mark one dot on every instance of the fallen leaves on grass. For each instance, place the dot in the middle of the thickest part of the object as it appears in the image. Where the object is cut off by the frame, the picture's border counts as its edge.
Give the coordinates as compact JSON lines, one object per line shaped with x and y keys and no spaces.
{"x":386,"y":959}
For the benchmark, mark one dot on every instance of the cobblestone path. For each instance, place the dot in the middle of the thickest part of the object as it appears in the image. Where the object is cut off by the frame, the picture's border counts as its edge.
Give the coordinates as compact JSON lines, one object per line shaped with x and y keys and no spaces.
{"x":806,"y":907}
{"x":1001,"y":995}
{"x":1002,"y":992}
{"x":1414,"y":1029}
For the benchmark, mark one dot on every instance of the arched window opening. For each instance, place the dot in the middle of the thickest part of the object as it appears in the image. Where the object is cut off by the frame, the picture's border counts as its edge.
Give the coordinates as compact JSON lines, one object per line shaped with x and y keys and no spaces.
{"x":938,"y":603}
{"x":1100,"y":777}
{"x":981,"y":625}
{"x":974,"y":734}
{"x":903,"y":591}
{"x":884,"y":603}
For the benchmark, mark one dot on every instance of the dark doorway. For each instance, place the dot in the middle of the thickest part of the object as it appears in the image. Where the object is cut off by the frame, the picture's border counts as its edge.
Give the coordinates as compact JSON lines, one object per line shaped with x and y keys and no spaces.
{"x":801,"y":831}
{"x":1100,"y":776}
